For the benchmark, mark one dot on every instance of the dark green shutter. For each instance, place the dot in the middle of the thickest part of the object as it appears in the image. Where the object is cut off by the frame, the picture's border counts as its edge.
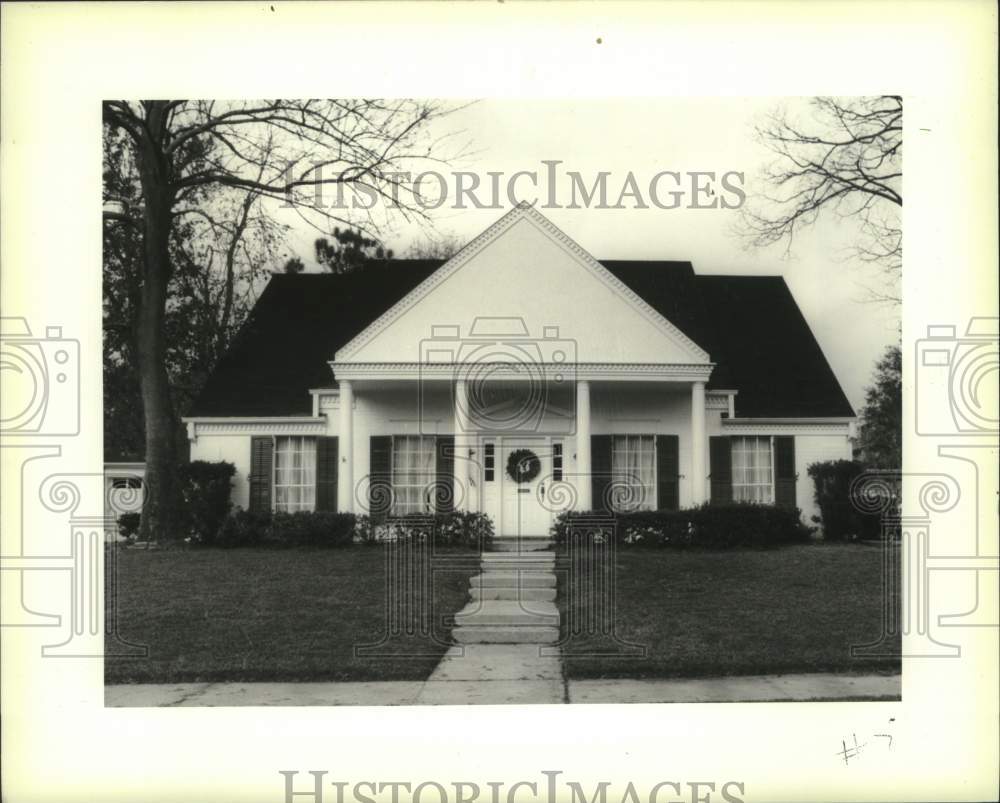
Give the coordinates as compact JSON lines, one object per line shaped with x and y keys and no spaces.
{"x":784,"y":471}
{"x":444,"y":469}
{"x":261,"y":463}
{"x":667,"y":472}
{"x":720,"y":469}
{"x":600,"y":471}
{"x":380,"y":477}
{"x":327,"y":455}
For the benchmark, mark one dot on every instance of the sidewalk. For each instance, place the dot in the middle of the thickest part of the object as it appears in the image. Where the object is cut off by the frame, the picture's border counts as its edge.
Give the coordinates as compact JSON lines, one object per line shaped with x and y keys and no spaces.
{"x":535,"y":684}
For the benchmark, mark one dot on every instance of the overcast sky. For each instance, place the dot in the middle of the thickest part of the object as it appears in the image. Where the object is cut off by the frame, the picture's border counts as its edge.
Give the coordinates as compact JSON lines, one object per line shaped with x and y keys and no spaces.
{"x":647,"y":136}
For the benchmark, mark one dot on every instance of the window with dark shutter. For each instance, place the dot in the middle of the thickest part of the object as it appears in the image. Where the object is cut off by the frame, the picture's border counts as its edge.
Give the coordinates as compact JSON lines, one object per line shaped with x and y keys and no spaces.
{"x":444,"y":469}
{"x":600,"y":469}
{"x":261,"y":470}
{"x":667,"y":472}
{"x":327,"y":457}
{"x":784,"y":471}
{"x":720,"y":469}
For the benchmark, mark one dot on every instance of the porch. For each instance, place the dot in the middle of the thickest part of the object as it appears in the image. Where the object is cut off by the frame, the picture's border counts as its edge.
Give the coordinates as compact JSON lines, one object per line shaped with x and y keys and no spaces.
{"x":520,"y":442}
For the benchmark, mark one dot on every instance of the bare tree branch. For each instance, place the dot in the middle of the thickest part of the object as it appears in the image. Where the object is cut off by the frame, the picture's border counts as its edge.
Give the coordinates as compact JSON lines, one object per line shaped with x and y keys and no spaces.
{"x":846,"y":160}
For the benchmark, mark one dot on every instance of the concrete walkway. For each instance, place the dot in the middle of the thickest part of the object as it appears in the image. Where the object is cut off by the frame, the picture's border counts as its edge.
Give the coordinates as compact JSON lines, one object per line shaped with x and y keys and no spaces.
{"x":537,"y":684}
{"x":511,"y":614}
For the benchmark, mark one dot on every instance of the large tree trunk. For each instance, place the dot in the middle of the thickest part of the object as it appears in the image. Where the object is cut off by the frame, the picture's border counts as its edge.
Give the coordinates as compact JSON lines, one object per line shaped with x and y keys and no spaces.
{"x":159,"y":518}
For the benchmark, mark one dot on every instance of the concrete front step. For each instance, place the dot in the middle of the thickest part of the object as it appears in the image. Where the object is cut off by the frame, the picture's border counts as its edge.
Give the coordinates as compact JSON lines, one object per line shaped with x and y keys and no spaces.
{"x":506,"y":635}
{"x":509,"y":567}
{"x":508,"y":612}
{"x":521,"y":544}
{"x":528,"y":554}
{"x":512,"y":593}
{"x":493,"y":579}
{"x":546,"y":558}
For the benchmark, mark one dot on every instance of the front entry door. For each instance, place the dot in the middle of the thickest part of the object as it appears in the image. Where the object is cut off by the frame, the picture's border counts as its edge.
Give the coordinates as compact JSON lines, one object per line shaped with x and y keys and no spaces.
{"x":524,"y":510}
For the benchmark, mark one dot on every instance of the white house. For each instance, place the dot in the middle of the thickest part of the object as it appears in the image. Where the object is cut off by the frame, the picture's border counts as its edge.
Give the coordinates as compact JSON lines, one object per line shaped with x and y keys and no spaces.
{"x":407,"y":387}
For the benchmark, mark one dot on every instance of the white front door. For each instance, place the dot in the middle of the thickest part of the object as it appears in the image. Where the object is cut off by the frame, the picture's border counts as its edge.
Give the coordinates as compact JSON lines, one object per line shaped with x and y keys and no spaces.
{"x":524,"y":512}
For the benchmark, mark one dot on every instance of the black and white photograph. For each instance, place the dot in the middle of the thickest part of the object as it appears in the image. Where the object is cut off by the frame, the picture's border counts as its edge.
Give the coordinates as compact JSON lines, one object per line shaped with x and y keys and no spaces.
{"x":506,"y":465}
{"x":449,"y":415}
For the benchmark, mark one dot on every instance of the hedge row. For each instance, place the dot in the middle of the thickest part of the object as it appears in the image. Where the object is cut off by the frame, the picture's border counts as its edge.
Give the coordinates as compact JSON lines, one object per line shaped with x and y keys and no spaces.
{"x":244,"y":529}
{"x":708,"y":527}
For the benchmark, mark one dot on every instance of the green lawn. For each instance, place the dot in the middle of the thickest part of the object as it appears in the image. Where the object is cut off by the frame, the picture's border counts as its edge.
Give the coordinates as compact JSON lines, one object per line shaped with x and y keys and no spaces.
{"x":698,"y":613}
{"x":272,"y":614}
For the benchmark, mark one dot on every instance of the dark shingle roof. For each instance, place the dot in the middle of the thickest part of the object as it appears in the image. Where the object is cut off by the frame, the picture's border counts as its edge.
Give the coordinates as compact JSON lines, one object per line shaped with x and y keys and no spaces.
{"x":769,"y":352}
{"x":750,"y":325}
{"x":298,"y":323}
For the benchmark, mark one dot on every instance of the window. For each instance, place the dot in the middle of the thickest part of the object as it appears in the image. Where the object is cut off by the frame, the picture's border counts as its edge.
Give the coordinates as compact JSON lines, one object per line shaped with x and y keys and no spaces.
{"x":294,"y":474}
{"x":489,"y":462}
{"x":412,"y":474}
{"x":633,"y":472}
{"x":753,"y":469}
{"x":126,"y":483}
{"x":557,"y":462}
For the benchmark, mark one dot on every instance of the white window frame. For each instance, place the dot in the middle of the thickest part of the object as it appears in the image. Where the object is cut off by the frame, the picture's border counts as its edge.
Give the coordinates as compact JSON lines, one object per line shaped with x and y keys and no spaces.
{"x":649,"y":495}
{"x":307,"y":495}
{"x":420,"y":481}
{"x":769,"y":496}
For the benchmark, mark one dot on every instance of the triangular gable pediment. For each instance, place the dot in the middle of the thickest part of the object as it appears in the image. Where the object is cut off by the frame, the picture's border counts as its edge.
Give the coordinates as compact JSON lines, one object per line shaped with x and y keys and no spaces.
{"x":522,"y":281}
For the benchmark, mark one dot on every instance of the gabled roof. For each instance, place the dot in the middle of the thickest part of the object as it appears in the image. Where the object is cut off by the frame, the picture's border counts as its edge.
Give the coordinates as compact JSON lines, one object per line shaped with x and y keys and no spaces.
{"x":750,"y":326}
{"x":634,"y":305}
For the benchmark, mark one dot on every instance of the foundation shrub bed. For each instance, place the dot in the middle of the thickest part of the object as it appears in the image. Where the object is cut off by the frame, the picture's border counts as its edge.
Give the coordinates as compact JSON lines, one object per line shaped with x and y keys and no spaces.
{"x":314,"y":529}
{"x":457,"y":529}
{"x":707,"y":527}
{"x":322,"y":529}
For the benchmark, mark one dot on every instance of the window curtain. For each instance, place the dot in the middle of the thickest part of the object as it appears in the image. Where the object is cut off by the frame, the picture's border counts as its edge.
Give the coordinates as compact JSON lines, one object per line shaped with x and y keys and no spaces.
{"x":294,"y":474}
{"x":633,"y":470}
{"x":752,"y":470}
{"x":412,"y":473}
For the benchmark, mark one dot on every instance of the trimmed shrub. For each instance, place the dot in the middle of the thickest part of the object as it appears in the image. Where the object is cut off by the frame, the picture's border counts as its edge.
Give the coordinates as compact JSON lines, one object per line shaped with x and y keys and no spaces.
{"x":365,"y":530}
{"x":307,"y":528}
{"x":243,"y":528}
{"x":840,"y":519}
{"x":304,"y":528}
{"x":747,"y":524}
{"x":740,"y":524}
{"x":459,"y":528}
{"x":205,"y":489}
{"x":128,"y":525}
{"x":463,"y":528}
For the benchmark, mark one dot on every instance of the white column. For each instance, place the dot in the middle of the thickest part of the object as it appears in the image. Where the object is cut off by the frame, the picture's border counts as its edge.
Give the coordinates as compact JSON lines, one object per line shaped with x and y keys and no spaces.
{"x":345,"y":435}
{"x":698,"y":443}
{"x":583,"y":482}
{"x":460,"y":489}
